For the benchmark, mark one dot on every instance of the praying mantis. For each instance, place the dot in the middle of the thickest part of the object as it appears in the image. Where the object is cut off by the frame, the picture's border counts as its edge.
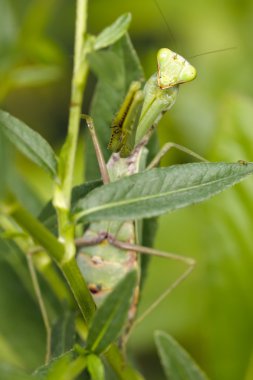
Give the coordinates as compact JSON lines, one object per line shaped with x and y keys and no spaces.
{"x":108,"y":250}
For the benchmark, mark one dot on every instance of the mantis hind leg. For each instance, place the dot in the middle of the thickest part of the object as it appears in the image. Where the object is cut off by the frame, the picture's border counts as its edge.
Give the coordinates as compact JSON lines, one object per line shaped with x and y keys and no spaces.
{"x":166,"y":148}
{"x":189,"y":262}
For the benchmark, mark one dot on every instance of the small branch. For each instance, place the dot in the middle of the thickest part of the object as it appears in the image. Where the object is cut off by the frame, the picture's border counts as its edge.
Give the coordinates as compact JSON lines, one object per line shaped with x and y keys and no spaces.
{"x":81,"y":292}
{"x":56,"y":251}
{"x":42,"y":306}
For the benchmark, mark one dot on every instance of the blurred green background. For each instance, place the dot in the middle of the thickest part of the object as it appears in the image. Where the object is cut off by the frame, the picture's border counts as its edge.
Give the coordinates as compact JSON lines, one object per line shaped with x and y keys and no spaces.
{"x":211,"y":314}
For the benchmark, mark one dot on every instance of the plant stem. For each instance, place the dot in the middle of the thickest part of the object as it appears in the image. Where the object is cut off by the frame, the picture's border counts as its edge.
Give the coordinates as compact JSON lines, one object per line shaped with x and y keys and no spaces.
{"x":75,"y":279}
{"x":42,"y":261}
{"x":63,"y":186}
{"x":80,"y":71}
{"x":82,"y":293}
{"x":42,"y":306}
{"x":44,"y":264}
{"x":55,"y":249}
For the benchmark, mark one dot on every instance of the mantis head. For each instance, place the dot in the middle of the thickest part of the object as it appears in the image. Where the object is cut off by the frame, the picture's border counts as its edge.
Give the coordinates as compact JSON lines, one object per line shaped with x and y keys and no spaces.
{"x":173,"y":69}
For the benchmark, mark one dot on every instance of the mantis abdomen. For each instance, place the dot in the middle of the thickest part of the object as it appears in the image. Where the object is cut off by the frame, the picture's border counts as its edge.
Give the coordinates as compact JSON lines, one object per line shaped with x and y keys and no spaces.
{"x":104,"y":265}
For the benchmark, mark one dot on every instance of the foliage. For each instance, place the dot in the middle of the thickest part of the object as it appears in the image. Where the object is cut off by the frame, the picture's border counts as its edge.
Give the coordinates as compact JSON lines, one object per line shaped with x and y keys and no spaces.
{"x":84,"y":339}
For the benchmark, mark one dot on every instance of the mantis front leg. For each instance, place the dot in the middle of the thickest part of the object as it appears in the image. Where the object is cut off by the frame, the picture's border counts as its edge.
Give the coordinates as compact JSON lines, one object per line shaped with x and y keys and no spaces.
{"x":99,"y":154}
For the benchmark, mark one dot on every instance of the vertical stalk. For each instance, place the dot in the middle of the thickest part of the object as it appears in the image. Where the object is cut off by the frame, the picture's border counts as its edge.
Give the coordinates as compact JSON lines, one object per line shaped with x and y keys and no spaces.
{"x":62,"y":191}
{"x":80,"y":72}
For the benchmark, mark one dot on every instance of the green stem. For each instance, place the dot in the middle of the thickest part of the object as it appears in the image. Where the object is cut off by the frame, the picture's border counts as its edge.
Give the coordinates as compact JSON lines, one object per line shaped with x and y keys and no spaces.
{"x":37,"y":231}
{"x":42,"y":306}
{"x":75,"y":280}
{"x":63,"y":186}
{"x":75,"y":368}
{"x":44,"y":264}
{"x":56,"y":251}
{"x":82,"y":293}
{"x":80,"y":72}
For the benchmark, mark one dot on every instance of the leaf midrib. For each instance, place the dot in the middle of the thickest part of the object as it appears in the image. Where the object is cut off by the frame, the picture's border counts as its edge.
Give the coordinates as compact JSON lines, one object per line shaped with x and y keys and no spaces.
{"x":148,"y":197}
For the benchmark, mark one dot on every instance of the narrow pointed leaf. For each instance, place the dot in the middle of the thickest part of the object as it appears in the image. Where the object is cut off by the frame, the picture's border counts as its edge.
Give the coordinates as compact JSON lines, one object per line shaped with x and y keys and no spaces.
{"x":111,"y":316}
{"x":95,"y":367}
{"x":113,"y":32}
{"x":63,"y":334}
{"x":157,"y":191}
{"x":176,"y":362}
{"x":29,"y":142}
{"x":67,"y":366}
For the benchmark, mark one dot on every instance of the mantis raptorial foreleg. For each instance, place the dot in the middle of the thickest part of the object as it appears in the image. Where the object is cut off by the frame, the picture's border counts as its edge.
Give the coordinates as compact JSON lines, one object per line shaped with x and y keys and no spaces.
{"x":125,"y":246}
{"x":99,"y":154}
{"x":165,"y":149}
{"x":108,"y":249}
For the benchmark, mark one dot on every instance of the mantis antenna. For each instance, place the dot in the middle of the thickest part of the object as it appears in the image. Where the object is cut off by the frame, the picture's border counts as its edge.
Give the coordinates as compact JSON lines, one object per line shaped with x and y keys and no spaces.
{"x":174,"y":41}
{"x":166,"y":23}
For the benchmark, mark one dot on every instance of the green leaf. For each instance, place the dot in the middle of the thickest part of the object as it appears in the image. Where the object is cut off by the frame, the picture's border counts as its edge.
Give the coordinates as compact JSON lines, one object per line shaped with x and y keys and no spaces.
{"x":111,"y":316}
{"x":29,"y":142}
{"x":165,"y":190}
{"x":48,"y":214}
{"x":114,"y":32}
{"x":230,"y":228}
{"x":149,"y":229}
{"x":176,"y":362}
{"x":24,"y":192}
{"x":5,"y":163}
{"x":63,"y":334}
{"x":8,"y":372}
{"x":65,"y":367}
{"x":26,"y":341}
{"x":57,"y":367}
{"x":95,"y":367}
{"x":11,"y":253}
{"x":115,"y":68}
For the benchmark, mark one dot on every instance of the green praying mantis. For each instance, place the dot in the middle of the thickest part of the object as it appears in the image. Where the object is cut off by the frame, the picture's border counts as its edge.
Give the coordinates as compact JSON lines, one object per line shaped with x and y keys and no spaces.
{"x":108,"y":250}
